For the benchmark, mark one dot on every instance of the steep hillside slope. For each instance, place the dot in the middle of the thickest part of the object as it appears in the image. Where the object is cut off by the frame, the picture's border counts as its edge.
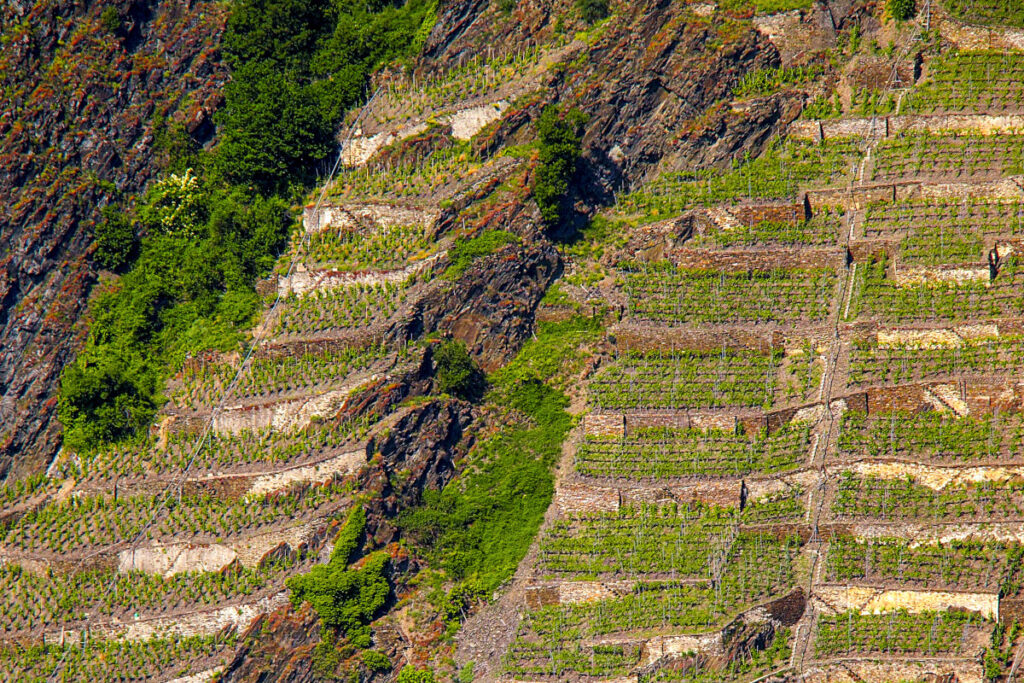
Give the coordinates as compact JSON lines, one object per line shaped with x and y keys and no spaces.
{"x":678,"y":344}
{"x":82,"y":85}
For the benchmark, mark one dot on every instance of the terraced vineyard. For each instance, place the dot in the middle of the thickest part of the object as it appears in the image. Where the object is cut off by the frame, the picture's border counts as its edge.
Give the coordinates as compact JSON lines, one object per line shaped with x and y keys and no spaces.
{"x":785,"y":354}
{"x":982,"y":82}
{"x":851,"y":426}
{"x":146,"y":560}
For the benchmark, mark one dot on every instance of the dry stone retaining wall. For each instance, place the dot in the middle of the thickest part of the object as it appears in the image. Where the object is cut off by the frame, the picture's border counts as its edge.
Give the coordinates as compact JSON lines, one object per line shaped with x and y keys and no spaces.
{"x":354,"y":216}
{"x":867,"y":600}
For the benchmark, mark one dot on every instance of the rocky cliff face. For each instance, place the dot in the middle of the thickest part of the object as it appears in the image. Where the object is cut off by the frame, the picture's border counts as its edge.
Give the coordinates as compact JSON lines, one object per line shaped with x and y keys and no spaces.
{"x":81,"y":88}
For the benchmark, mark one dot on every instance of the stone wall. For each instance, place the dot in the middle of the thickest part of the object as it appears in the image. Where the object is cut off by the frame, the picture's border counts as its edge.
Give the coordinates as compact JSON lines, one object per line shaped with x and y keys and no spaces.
{"x":888,"y":126}
{"x":671,"y":647}
{"x":967,"y":670}
{"x":604,"y":424}
{"x":753,"y":214}
{"x":937,"y":478}
{"x":582,"y":498}
{"x":355,"y":216}
{"x":574,"y":592}
{"x":980,"y":37}
{"x":303,"y":281}
{"x":758,"y":260}
{"x":868,"y":600}
{"x":977,"y":397}
{"x":468,"y":122}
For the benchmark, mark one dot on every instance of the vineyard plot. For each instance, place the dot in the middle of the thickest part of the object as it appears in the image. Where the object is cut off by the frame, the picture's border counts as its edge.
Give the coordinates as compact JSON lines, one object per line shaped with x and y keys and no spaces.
{"x":663,"y":292}
{"x":820,"y":231}
{"x":386,"y":247}
{"x":223,"y":452}
{"x":30,"y":601}
{"x":875,"y":364}
{"x":696,"y":543}
{"x":661,"y":452}
{"x":898,"y":633}
{"x":876,"y":295}
{"x":88,"y":521}
{"x":949,"y":156}
{"x":114,"y":661}
{"x":987,"y":12}
{"x":478,"y":79}
{"x":785,"y":168}
{"x":958,"y":565}
{"x":868,"y":497}
{"x":973,"y":82}
{"x":638,"y":380}
{"x":928,"y":221}
{"x":445,"y":167}
{"x":923,"y":436}
{"x":270,"y":376}
{"x":347,"y":307}
{"x":548,"y":642}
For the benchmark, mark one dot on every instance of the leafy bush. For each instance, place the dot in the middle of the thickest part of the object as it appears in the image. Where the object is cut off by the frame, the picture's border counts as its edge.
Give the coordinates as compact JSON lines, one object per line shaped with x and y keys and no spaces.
{"x":465,"y":251}
{"x":411,"y":674}
{"x":900,"y":10}
{"x":115,"y":240}
{"x":103,"y":401}
{"x":560,"y":138}
{"x":376,"y":661}
{"x":190,"y":288}
{"x":110,"y":21}
{"x":457,"y":373}
{"x":593,"y":10}
{"x":345,"y":598}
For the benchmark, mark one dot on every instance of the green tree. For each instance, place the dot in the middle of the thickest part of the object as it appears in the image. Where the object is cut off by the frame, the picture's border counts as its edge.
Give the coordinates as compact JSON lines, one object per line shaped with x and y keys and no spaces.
{"x":560,"y":139}
{"x":272,"y":134}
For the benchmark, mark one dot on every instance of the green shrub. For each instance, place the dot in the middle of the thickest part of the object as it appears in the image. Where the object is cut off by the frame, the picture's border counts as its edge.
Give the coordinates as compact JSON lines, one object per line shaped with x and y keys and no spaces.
{"x":110,"y":20}
{"x":559,"y":138}
{"x":411,"y":674}
{"x":376,"y":661}
{"x":103,"y":401}
{"x":465,"y":251}
{"x":457,"y":373}
{"x":344,"y":598}
{"x":593,"y":10}
{"x":115,"y":240}
{"x":900,"y":10}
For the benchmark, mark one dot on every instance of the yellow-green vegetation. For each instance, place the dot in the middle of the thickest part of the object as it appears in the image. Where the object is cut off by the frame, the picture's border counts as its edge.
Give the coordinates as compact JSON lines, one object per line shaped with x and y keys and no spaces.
{"x":346,"y":598}
{"x":478,"y":528}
